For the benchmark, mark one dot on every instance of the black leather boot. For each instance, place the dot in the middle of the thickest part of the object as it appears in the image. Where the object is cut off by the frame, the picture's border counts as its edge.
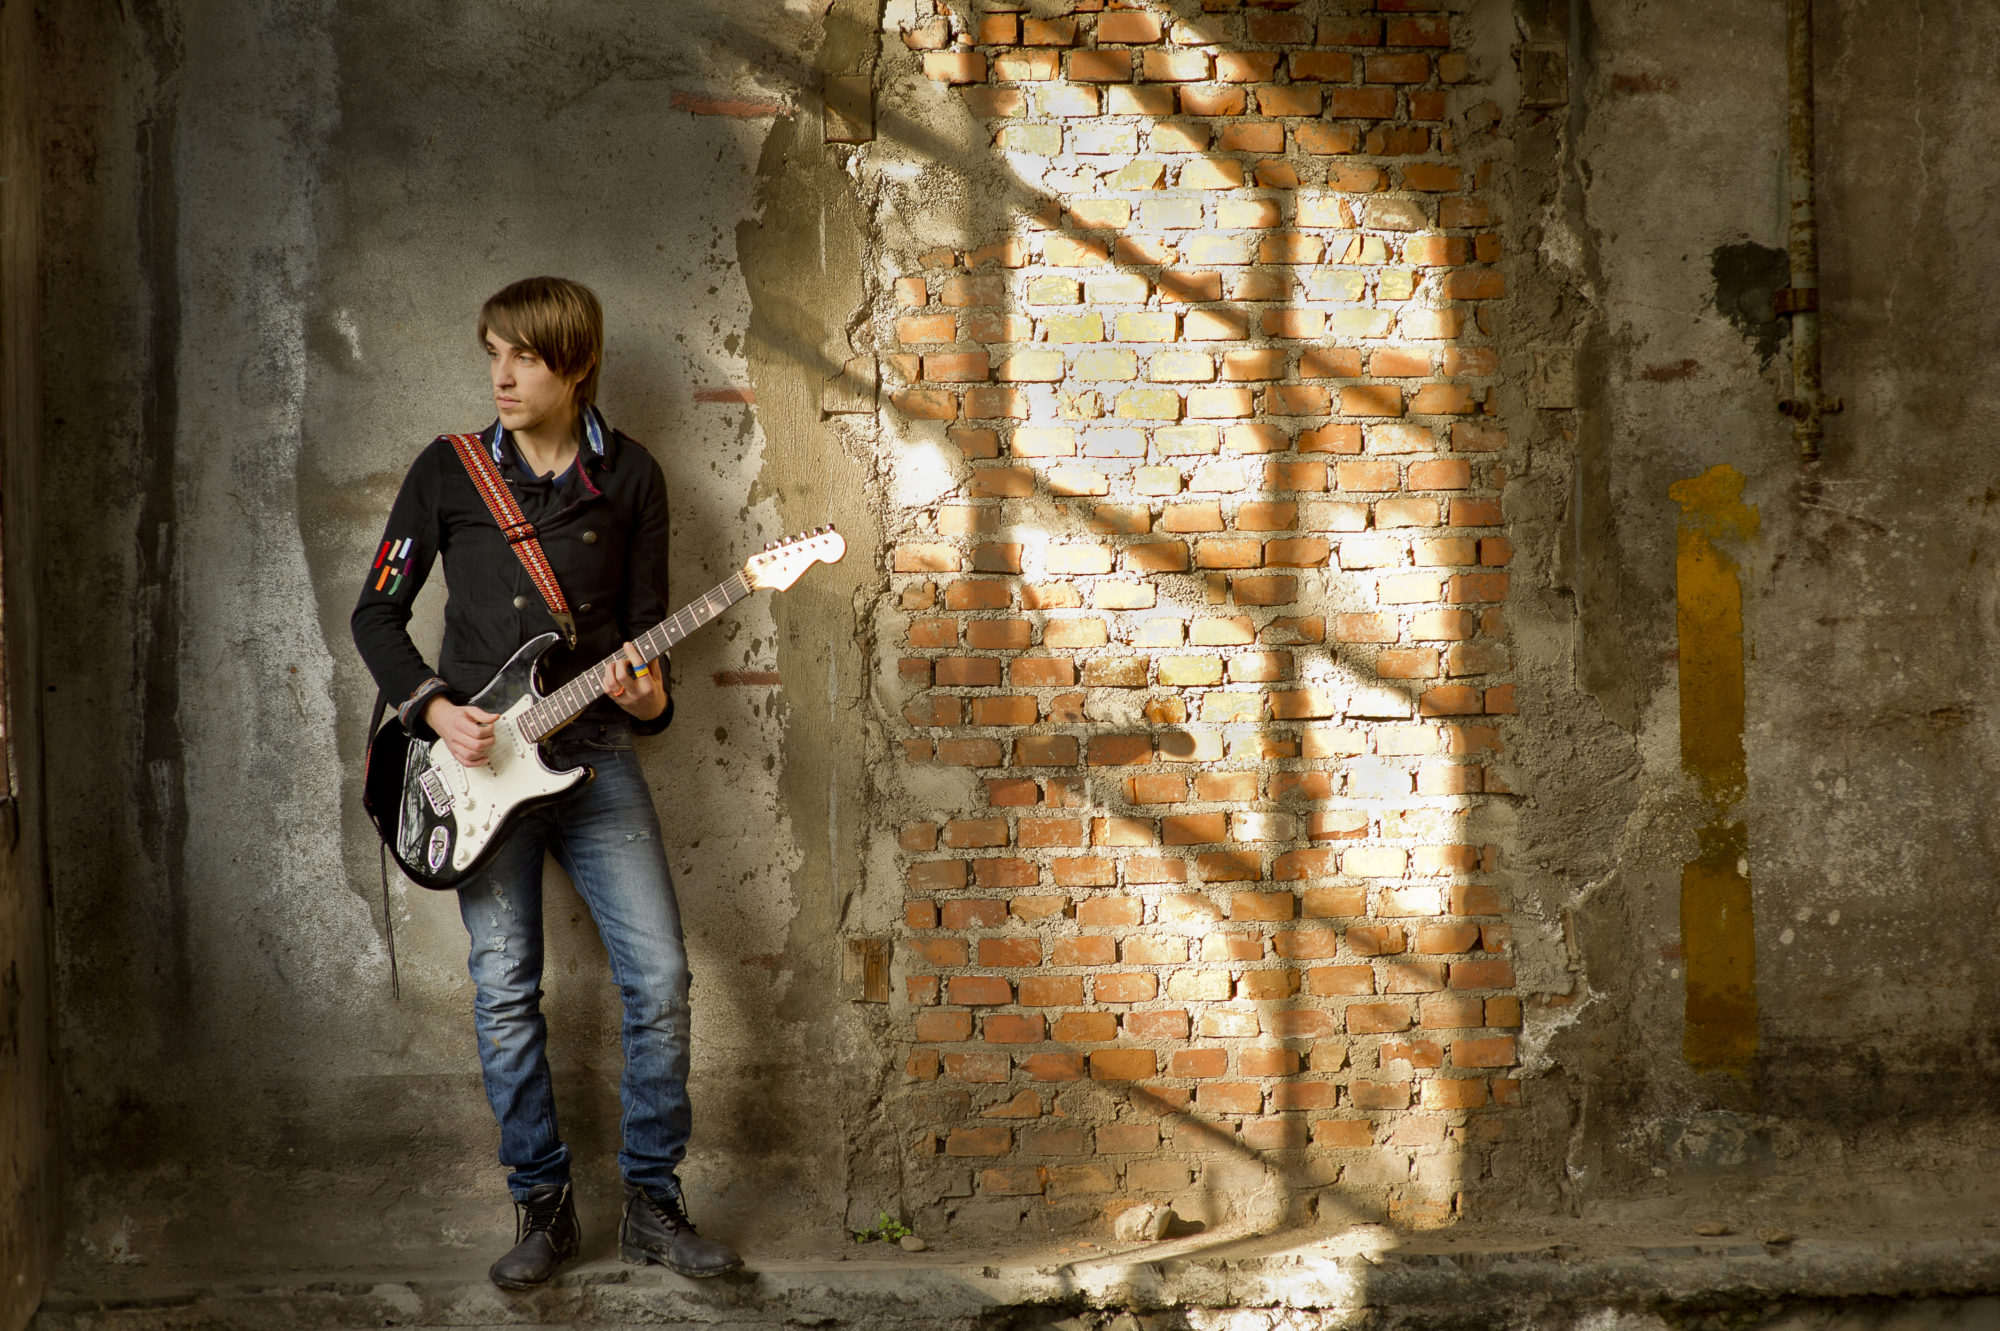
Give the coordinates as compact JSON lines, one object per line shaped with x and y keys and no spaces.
{"x":656,"y":1229}
{"x":545,"y":1236}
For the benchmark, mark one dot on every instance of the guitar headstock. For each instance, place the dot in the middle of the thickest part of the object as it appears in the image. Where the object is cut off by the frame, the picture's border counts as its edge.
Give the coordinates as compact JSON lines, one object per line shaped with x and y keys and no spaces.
{"x":780,"y":563}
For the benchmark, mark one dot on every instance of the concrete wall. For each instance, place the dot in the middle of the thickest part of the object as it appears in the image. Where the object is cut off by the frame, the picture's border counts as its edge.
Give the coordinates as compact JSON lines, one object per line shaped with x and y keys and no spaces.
{"x":1866,"y":602}
{"x":275,"y":230}
{"x":29,"y":1177}
{"x":268,"y":229}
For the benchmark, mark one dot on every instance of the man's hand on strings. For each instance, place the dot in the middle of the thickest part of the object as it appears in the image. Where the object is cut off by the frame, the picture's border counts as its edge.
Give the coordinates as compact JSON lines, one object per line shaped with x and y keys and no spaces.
{"x":639,"y":686}
{"x":466,"y":731}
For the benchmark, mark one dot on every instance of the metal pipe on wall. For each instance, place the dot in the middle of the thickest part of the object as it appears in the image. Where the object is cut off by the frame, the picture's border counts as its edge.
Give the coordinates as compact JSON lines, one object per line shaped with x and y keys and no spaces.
{"x":1806,"y":406}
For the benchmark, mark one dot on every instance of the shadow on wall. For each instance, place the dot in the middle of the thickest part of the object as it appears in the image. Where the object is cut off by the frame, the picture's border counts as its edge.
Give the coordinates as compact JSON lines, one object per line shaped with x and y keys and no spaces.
{"x":1203,"y":447}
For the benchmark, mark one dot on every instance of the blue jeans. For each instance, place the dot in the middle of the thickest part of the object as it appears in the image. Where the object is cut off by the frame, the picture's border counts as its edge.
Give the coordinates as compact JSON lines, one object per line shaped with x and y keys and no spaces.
{"x":606,"y":836}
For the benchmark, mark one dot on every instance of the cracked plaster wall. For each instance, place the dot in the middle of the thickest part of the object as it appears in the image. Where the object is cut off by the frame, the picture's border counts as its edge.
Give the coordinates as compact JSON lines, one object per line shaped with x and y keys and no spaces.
{"x":269,"y":228}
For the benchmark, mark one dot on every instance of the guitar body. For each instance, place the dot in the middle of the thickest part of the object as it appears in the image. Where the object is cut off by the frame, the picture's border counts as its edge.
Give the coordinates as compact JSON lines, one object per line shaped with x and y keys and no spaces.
{"x":443,"y":820}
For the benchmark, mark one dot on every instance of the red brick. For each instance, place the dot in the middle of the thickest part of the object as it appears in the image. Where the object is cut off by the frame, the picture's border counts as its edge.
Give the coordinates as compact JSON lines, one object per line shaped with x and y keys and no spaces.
{"x":1193,"y":829}
{"x":1484,"y":974}
{"x":964,"y":833}
{"x":1013,"y":1181}
{"x":1261,"y":906}
{"x":944,"y":1027}
{"x":955,"y":66}
{"x":937,"y":875}
{"x":1170,"y":1024}
{"x":1046,"y":833}
{"x":1495,"y":1051}
{"x":1304,"y":1095}
{"x":1065,"y":1066}
{"x":1129,"y":987}
{"x":973,"y":914}
{"x":1410,"y":977}
{"x":1420,"y":30}
{"x":1297,"y":864}
{"x":1051,"y":990}
{"x":979,"y":990}
{"x":1268,"y":1062}
{"x":1173,"y":66}
{"x":1379,"y":1094}
{"x":1119,"y":750}
{"x":1326,"y":66}
{"x":1045,"y":751}
{"x":1121,"y":1064}
{"x":1197,"y":1063}
{"x":938,"y":710}
{"x":1005,"y":872}
{"x":1246,"y":66}
{"x":1452,"y":1012}
{"x":1377,"y":1018}
{"x":1475,"y":513}
{"x":1360,"y":103}
{"x":1011,"y":1028}
{"x":1010,"y":952}
{"x":1454,"y":1093}
{"x":1085,"y":1028}
{"x":969,"y":752}
{"x":1086,"y":950}
{"x":1213,"y":100}
{"x":1109,"y":911}
{"x":1340,"y":981}
{"x":1127,"y":1138}
{"x":1229,"y":1098}
{"x":1343,"y":1133}
{"x":1300,"y":1024}
{"x":1133,"y":27}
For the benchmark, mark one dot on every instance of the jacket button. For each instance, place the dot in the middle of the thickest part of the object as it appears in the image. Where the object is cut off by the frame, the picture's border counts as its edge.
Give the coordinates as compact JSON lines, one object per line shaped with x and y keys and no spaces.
{"x":520,"y":603}
{"x":590,"y":538}
{"x":585,"y":607}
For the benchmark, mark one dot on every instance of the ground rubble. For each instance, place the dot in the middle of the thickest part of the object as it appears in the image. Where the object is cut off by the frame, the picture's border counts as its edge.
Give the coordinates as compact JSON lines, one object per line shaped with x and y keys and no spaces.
{"x":1365,"y":1279}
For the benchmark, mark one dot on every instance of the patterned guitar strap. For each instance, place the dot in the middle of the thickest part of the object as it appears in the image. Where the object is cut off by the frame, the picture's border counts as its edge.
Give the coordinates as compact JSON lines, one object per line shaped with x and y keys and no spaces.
{"x":520,"y":532}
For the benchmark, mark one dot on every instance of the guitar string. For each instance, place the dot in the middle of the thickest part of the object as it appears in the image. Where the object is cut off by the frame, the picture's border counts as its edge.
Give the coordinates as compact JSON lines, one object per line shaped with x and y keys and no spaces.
{"x":559,"y":708}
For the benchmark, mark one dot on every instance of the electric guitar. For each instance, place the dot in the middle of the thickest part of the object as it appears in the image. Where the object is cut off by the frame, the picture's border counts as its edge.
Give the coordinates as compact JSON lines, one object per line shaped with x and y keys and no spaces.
{"x":443,"y":820}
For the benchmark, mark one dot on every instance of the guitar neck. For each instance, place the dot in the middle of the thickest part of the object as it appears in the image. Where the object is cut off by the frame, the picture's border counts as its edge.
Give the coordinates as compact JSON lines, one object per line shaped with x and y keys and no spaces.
{"x":566,"y":703}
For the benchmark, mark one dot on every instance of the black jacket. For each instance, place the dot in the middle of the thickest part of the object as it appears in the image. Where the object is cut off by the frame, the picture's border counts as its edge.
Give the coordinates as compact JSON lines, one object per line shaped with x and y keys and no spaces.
{"x":603,"y":525}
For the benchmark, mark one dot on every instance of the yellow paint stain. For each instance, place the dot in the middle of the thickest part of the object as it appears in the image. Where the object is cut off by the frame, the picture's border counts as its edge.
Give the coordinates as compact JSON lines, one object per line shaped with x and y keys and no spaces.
{"x":1718,"y":937}
{"x":1719,"y":952}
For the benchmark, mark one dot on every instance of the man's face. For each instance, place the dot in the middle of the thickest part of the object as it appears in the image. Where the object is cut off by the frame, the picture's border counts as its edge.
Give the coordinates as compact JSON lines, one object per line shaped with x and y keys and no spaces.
{"x":527,"y":392}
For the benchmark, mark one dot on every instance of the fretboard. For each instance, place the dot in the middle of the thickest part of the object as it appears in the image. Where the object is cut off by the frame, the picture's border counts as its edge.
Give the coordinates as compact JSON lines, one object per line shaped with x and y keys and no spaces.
{"x":561,"y":707}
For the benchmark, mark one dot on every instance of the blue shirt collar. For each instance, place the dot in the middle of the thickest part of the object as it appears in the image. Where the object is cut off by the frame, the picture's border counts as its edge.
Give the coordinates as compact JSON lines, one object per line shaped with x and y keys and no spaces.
{"x":499,"y":440}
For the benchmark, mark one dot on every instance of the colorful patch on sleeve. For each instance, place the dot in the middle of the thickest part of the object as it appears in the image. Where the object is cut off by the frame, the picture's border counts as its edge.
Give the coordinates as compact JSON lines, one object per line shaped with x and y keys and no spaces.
{"x":392,"y":562}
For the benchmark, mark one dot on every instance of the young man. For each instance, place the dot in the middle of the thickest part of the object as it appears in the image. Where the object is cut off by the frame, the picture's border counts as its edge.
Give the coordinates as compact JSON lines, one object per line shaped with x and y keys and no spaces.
{"x":598,"y":504}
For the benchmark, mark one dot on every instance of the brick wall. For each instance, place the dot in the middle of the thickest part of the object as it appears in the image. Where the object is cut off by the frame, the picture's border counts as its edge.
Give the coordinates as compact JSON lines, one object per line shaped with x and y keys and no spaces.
{"x":1216,"y":620}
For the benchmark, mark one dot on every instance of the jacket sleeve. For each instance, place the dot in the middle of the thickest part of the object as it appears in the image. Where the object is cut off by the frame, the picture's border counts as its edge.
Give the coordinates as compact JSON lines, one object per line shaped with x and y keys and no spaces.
{"x":398,"y":567}
{"x":643,"y":602}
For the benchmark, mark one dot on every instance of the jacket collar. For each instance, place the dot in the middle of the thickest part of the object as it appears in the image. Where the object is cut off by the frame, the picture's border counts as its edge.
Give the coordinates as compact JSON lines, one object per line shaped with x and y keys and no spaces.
{"x":598,"y":439}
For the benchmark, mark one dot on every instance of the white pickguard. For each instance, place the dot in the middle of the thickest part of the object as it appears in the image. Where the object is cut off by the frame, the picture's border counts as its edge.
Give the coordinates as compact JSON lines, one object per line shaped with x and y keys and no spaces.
{"x":482,"y":797}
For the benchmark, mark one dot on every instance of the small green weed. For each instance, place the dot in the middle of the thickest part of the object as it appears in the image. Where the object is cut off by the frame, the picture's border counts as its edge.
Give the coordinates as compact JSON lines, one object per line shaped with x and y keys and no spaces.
{"x":885,"y":1229}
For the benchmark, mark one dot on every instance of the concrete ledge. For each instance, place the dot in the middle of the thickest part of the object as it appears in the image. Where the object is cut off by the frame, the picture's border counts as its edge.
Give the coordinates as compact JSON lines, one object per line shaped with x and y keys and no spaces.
{"x":1357,"y":1279}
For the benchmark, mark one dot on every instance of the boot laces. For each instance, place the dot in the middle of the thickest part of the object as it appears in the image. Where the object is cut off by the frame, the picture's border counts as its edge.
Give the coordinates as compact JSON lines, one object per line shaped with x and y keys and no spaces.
{"x":537,"y":1215}
{"x":667,"y":1207}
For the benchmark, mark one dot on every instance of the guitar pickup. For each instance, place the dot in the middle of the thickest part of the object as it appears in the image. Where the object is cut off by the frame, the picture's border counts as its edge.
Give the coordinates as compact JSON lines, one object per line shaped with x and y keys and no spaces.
{"x":433,"y":785}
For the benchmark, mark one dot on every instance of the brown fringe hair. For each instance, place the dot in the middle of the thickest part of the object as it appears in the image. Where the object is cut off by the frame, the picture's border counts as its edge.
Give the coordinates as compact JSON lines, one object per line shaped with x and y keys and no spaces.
{"x":557,"y":319}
